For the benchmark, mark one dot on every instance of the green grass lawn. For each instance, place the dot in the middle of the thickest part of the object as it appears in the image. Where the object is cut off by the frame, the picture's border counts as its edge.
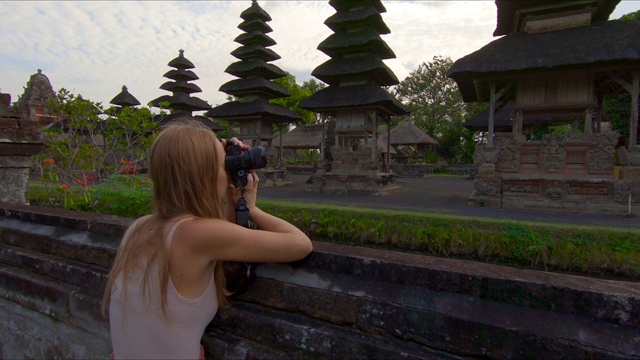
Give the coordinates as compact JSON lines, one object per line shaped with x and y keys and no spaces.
{"x":582,"y":249}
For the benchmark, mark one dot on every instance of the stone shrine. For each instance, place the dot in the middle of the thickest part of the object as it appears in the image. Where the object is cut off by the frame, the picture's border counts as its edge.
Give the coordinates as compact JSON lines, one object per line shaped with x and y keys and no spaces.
{"x":554,"y":64}
{"x":355,"y":100}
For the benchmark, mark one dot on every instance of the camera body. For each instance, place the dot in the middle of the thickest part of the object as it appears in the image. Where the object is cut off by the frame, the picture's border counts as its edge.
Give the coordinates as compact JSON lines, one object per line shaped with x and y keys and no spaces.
{"x":239,"y":163}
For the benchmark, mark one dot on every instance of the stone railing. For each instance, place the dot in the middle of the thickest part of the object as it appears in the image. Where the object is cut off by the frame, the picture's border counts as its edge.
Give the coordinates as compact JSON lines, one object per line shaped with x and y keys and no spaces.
{"x":340,"y":302}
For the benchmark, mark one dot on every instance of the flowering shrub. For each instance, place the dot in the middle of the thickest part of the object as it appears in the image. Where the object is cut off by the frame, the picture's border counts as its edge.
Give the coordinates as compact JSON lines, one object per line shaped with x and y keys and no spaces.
{"x":89,"y":145}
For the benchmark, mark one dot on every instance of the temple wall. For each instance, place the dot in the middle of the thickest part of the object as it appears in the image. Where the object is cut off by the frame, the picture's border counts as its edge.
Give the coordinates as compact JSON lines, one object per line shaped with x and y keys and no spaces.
{"x":560,"y":173}
{"x":340,"y":302}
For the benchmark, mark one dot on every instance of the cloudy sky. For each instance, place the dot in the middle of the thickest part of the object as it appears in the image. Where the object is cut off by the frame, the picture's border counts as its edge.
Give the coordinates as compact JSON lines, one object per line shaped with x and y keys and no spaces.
{"x":94,"y":47}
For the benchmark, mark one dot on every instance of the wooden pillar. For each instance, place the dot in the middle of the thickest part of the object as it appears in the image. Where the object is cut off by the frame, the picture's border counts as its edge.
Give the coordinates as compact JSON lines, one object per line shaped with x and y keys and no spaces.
{"x":599,"y":115}
{"x":374,"y":146}
{"x":575,"y":126}
{"x":633,"y":121}
{"x":388,"y":165}
{"x":280,"y":152}
{"x":492,"y":110}
{"x":588,"y":122}
{"x":324,"y":134}
{"x":517,"y":125}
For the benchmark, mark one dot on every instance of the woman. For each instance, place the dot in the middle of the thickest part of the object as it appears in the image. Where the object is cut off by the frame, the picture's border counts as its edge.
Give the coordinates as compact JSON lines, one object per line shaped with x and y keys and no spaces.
{"x":167,"y":280}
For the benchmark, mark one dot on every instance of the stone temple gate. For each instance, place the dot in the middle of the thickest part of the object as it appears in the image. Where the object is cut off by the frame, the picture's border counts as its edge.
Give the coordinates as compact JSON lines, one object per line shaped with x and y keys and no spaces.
{"x":555,"y":63}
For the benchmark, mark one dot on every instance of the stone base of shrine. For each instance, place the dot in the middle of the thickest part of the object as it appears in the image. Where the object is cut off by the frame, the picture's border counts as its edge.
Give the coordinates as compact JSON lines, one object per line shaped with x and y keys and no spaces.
{"x":353,"y":183}
{"x":273,"y":177}
{"x":558,"y":193}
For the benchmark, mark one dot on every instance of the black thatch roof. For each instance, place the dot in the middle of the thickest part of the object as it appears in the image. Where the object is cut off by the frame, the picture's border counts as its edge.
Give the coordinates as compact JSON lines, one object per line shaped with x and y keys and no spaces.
{"x":181,"y":62}
{"x":510,"y":11}
{"x":302,"y":137}
{"x":368,"y":14}
{"x":181,"y":74}
{"x":255,"y":50}
{"x":249,"y":110}
{"x":182,"y":101}
{"x":257,"y":37}
{"x":366,"y":65}
{"x":254,"y":67}
{"x":615,"y":43}
{"x":180,"y":86}
{"x":408,"y":133}
{"x":256,"y":86}
{"x":365,"y":39}
{"x":124,"y":98}
{"x":341,"y":5}
{"x":367,"y":95}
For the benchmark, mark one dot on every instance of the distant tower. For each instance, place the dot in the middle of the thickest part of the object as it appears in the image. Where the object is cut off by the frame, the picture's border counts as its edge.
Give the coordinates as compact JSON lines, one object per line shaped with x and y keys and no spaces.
{"x":180,"y":101}
{"x":355,"y":98}
{"x":255,"y":114}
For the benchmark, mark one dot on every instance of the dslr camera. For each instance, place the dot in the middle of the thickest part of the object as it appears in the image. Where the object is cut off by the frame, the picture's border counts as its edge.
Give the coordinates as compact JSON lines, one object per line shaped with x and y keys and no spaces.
{"x":239,"y":163}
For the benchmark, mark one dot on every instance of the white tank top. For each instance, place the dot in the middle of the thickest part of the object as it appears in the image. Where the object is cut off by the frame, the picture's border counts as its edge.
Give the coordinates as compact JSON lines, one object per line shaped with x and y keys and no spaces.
{"x":139,"y":329}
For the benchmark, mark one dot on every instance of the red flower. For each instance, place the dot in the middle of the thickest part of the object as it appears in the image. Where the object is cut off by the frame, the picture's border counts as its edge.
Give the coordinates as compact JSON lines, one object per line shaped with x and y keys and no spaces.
{"x":46,"y":162}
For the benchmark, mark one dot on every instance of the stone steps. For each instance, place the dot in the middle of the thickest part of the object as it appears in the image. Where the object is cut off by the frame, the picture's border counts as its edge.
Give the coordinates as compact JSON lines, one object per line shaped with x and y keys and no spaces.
{"x":87,"y":277}
{"x":346,"y":302}
{"x":301,"y":337}
{"x":449,"y":322}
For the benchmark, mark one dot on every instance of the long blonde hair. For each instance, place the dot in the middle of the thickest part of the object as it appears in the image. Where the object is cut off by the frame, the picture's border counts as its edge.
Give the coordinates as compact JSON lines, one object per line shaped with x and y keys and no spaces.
{"x":184,"y":166}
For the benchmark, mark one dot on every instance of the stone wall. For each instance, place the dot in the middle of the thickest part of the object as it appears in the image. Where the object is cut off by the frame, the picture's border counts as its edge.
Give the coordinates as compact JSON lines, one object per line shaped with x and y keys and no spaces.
{"x":340,"y":302}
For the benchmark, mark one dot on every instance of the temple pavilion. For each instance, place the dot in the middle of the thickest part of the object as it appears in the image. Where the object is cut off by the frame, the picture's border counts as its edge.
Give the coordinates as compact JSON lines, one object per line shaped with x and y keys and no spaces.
{"x":355,"y":100}
{"x":554,"y":63}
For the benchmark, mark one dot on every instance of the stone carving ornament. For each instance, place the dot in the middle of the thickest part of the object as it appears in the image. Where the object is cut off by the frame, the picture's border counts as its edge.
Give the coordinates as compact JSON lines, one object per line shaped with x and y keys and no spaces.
{"x":553,"y":153}
{"x":508,"y":156}
{"x":601,"y":154}
{"x":487,"y":185}
{"x":554,"y":189}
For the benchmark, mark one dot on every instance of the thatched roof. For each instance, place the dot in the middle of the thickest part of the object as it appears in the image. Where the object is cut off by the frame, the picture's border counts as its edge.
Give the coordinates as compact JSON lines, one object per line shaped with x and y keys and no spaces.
{"x":510,"y":12}
{"x":408,"y":133}
{"x":354,"y":96}
{"x":611,"y":43}
{"x":302,"y":137}
{"x":250,"y":110}
{"x":124,"y":98}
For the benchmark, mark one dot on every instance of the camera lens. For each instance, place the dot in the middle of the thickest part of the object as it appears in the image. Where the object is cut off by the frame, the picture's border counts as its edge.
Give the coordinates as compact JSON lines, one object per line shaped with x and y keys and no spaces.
{"x":256,"y":158}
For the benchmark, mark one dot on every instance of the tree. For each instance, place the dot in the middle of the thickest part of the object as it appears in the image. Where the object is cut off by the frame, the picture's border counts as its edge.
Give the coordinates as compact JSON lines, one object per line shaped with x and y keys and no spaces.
{"x":437,"y":107}
{"x":298,"y":93}
{"x":617,"y":109}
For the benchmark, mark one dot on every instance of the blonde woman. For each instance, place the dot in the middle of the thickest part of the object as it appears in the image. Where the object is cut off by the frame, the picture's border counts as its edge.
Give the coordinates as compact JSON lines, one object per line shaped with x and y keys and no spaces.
{"x":167,"y":280}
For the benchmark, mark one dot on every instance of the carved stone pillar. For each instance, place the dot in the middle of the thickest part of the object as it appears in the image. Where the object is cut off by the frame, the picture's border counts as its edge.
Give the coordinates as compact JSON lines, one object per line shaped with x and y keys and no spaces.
{"x":16,"y":149}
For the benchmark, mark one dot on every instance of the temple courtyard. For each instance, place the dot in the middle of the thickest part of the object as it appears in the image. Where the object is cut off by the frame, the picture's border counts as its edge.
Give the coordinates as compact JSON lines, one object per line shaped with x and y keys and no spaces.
{"x":441,"y":194}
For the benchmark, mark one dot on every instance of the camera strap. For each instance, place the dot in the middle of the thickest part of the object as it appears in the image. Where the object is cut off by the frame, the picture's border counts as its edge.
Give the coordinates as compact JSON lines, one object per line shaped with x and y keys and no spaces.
{"x":242,"y":213}
{"x":242,"y":219}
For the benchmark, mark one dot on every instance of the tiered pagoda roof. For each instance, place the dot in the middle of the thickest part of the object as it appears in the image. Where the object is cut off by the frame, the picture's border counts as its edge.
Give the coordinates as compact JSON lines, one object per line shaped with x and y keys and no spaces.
{"x":254,"y":85}
{"x":355,"y":73}
{"x":124,"y":99}
{"x":181,"y":101}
